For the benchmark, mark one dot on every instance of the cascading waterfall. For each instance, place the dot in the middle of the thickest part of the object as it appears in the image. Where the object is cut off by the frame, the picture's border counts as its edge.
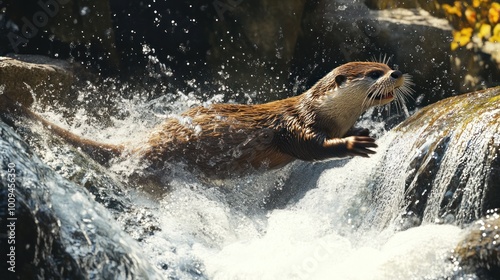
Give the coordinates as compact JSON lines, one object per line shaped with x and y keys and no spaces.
{"x":462,"y":181}
{"x":344,"y":228}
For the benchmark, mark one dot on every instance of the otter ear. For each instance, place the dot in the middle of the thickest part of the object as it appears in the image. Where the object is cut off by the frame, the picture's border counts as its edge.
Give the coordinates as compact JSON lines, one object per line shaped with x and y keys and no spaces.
{"x":340,"y":79}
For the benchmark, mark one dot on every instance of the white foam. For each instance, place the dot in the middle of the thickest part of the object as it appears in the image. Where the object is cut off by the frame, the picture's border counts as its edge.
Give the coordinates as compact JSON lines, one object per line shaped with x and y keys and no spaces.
{"x":295,"y":248}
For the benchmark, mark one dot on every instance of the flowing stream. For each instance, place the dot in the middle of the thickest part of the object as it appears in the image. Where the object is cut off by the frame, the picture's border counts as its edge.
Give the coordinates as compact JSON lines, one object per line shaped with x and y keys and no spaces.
{"x":343,"y":219}
{"x":346,"y":226}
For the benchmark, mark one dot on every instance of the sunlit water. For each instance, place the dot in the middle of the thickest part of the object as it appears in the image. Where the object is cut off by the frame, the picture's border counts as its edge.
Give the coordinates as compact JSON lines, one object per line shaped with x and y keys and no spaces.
{"x":338,"y":230}
{"x":344,"y":220}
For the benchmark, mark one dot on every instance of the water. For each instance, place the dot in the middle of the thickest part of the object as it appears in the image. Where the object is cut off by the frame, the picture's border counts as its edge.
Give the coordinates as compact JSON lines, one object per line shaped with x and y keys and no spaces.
{"x":344,"y":219}
{"x":333,"y":232}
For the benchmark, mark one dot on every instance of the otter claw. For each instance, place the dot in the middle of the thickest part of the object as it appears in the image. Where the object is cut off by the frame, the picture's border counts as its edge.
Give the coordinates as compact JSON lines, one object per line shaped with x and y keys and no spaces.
{"x":360,"y":145}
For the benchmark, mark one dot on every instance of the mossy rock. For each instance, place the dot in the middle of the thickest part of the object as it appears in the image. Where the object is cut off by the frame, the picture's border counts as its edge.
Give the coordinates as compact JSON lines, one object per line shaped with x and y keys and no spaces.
{"x":26,"y":77}
{"x":454,"y":163}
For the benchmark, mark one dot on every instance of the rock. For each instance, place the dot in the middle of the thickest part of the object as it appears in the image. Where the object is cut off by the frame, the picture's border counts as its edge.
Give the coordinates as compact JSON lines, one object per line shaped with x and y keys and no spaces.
{"x":266,"y":33}
{"x":430,"y":6}
{"x":253,"y":50}
{"x":454,"y":156}
{"x":420,"y":45}
{"x":60,"y":231}
{"x":479,"y":251}
{"x":250,"y":50}
{"x":441,"y":165}
{"x":78,"y":29}
{"x":26,"y":77}
{"x":477,"y":66}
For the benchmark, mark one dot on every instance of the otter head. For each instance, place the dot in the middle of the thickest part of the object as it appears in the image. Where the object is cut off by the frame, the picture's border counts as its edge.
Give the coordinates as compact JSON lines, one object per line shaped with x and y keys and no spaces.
{"x":348,"y":90}
{"x":371,"y":83}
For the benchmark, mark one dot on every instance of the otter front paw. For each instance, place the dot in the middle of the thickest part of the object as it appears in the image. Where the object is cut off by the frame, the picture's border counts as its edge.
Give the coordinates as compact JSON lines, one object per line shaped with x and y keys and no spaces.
{"x":359,"y":145}
{"x":352,"y":146}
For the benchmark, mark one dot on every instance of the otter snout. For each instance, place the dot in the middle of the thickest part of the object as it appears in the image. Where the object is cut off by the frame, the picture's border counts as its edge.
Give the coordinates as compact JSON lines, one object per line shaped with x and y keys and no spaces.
{"x":398,"y":78}
{"x":396,"y":74}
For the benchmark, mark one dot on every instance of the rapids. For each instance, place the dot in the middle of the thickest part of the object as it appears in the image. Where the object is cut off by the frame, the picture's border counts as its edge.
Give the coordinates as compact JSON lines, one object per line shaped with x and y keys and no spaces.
{"x":342,"y":219}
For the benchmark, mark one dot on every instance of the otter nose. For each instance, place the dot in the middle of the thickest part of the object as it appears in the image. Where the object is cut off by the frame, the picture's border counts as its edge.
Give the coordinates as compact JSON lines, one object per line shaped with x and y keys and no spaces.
{"x":396,"y":74}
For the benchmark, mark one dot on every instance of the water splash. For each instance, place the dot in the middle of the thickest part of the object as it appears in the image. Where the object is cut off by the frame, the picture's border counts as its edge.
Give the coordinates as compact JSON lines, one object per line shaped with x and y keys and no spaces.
{"x":350,"y":219}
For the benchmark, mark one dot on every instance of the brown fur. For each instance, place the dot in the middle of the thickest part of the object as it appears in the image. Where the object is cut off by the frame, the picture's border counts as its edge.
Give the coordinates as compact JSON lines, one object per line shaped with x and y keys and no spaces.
{"x":225,"y":139}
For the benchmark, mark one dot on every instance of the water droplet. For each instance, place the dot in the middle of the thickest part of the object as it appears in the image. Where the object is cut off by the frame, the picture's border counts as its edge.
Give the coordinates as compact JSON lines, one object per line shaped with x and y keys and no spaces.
{"x":85,"y":11}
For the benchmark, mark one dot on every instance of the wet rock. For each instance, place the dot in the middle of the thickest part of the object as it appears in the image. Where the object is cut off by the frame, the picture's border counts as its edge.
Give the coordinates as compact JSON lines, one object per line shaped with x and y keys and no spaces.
{"x":257,"y":50}
{"x":26,"y":77}
{"x":60,"y":231}
{"x":479,"y":251}
{"x":420,"y":44}
{"x":454,"y":168}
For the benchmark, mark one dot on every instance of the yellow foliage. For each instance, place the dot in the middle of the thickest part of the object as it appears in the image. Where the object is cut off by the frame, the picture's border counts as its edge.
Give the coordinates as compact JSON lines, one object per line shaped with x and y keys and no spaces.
{"x":477,"y":3}
{"x":484,"y":31}
{"x":494,"y":13}
{"x":455,"y":10}
{"x":496,"y":34}
{"x":461,"y":38}
{"x":469,"y":18}
{"x":470,"y":15}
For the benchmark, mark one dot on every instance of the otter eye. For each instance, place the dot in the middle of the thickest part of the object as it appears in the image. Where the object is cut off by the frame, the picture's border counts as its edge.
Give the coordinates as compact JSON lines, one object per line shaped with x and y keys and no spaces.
{"x":375,"y":74}
{"x":340,"y":79}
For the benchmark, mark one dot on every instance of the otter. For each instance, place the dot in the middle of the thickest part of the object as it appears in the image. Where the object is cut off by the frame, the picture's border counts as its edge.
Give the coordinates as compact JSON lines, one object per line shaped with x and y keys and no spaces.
{"x":224,"y":140}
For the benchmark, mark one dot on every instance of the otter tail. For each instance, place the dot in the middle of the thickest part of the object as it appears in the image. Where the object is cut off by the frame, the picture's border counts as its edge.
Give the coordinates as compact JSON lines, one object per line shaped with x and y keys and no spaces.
{"x":100,"y":152}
